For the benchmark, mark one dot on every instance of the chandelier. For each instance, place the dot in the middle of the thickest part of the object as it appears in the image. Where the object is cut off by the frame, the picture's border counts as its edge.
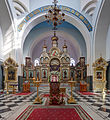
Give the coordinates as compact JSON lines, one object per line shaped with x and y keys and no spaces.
{"x":55,"y":16}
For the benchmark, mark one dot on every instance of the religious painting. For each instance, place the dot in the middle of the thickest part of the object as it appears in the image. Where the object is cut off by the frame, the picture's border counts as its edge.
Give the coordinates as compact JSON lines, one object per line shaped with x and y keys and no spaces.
{"x":44,"y":73}
{"x":24,"y":73}
{"x":78,"y":74}
{"x":30,"y":73}
{"x":65,"y":73}
{"x":11,"y":73}
{"x":82,"y":61}
{"x":99,"y":75}
{"x":85,"y":73}
{"x":28,"y":61}
{"x":37,"y":74}
{"x":54,"y":53}
{"x":55,"y":62}
{"x":54,"y":78}
{"x":55,"y":65}
{"x":72,"y":73}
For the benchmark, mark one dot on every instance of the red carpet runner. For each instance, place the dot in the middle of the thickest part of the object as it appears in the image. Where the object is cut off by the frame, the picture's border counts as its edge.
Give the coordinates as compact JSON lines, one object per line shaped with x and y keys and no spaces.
{"x":23,"y":93}
{"x":35,"y":113}
{"x":86,"y":93}
{"x":47,"y":95}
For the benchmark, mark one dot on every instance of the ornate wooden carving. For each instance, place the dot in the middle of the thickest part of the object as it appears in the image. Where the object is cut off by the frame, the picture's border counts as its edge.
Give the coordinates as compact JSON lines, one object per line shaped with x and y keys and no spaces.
{"x":99,"y":75}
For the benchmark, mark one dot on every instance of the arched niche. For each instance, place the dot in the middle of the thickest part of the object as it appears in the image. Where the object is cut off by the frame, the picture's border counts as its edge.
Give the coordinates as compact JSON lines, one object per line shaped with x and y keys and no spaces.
{"x":65,"y":32}
{"x":70,"y":19}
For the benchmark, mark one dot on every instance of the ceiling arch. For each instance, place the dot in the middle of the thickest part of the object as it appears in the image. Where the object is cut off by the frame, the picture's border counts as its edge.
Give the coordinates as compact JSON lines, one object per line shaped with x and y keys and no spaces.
{"x":100,"y":34}
{"x":80,"y":26}
{"x":66,"y":28}
{"x":6,"y":29}
{"x":73,"y":46}
{"x":89,"y":4}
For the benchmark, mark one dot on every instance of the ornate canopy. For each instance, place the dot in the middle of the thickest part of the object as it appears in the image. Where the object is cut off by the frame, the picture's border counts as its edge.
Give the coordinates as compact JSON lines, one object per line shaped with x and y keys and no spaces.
{"x":100,"y":62}
{"x":10,"y":62}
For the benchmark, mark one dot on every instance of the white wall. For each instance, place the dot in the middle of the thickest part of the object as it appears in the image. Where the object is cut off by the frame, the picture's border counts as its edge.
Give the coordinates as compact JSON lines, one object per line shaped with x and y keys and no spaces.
{"x":1,"y":45}
{"x":97,"y":12}
{"x":70,"y":3}
{"x":108,"y":45}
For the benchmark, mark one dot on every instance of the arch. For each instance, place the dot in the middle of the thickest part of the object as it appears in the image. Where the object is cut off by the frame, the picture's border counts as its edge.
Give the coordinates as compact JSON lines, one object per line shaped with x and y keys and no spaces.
{"x":72,"y":62}
{"x":18,"y":6}
{"x":18,"y":9}
{"x":70,"y":19}
{"x":21,"y":4}
{"x":71,"y":41}
{"x":91,"y":13}
{"x":100,"y":35}
{"x":1,"y":45}
{"x":88,"y":4}
{"x":65,"y":9}
{"x":90,"y":9}
{"x":74,"y":21}
{"x":36,"y":62}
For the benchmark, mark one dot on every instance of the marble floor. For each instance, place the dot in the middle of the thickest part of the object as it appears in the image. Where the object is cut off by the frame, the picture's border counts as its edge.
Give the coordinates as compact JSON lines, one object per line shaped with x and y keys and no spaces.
{"x":97,"y":107}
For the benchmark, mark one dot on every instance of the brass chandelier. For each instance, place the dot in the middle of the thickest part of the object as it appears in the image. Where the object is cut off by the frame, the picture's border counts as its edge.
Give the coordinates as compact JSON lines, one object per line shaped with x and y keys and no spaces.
{"x":54,"y":15}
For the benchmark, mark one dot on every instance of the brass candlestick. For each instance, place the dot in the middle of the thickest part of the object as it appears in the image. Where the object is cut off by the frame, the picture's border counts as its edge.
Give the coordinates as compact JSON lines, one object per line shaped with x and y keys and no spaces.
{"x":71,"y":99}
{"x":7,"y":88}
{"x":37,"y":99}
{"x":13,"y":92}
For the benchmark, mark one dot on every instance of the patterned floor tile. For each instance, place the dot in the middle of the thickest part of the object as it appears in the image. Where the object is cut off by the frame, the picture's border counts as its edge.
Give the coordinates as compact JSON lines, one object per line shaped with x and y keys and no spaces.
{"x":9,"y":103}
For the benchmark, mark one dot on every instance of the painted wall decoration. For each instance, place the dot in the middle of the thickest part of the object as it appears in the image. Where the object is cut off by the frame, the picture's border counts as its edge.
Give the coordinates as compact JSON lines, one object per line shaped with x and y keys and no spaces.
{"x":28,"y":61}
{"x":69,"y":10}
{"x":99,"y":75}
{"x":44,"y":73}
{"x":11,"y":73}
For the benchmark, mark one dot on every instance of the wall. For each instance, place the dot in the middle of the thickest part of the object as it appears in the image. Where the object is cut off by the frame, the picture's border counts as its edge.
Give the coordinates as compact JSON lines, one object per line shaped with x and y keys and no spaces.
{"x":1,"y":45}
{"x":38,"y":3}
{"x":108,"y":45}
{"x":108,"y":57}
